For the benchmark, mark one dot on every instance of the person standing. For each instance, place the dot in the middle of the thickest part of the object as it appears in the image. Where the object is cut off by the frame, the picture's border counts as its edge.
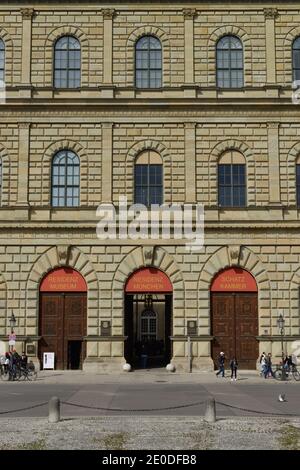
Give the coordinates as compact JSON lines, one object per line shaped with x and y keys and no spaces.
{"x":221,"y":363}
{"x":24,"y":360}
{"x":233,"y":366}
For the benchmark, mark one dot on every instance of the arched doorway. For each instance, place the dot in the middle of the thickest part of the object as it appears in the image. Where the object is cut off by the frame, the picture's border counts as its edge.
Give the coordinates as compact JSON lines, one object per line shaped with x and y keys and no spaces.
{"x":62,"y":320}
{"x":148,"y":316}
{"x":234,"y":314}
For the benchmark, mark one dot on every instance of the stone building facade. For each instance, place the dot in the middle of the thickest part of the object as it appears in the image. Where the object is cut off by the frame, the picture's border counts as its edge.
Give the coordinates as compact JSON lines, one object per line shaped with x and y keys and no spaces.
{"x":190,"y":122}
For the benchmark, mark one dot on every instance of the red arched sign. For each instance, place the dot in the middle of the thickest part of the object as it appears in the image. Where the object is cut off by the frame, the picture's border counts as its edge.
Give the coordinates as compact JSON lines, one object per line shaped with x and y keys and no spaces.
{"x":63,"y":280}
{"x":234,"y":280}
{"x":148,"y":280}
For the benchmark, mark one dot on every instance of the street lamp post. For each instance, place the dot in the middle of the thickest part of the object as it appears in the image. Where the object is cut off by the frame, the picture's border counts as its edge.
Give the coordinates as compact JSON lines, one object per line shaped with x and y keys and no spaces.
{"x":280,"y":324}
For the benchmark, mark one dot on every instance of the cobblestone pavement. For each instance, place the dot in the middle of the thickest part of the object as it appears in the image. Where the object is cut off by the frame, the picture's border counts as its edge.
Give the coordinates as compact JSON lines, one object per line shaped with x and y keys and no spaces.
{"x":157,"y":433}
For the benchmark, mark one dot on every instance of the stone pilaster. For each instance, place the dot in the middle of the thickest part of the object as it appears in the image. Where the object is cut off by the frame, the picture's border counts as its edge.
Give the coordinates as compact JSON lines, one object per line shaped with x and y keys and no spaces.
{"x":189,"y":15}
{"x":27,"y":15}
{"x":107,"y":161}
{"x":190,"y":162}
{"x":274,"y":166}
{"x":23,"y":164}
{"x":270,"y":17}
{"x":108,"y":16}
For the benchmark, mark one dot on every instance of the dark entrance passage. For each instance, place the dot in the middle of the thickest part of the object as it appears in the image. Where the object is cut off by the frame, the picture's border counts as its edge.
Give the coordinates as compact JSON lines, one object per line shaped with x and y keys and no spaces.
{"x":148,"y":330}
{"x":147,"y":319}
{"x":74,"y":354}
{"x":62,"y":324}
{"x":235,"y":318}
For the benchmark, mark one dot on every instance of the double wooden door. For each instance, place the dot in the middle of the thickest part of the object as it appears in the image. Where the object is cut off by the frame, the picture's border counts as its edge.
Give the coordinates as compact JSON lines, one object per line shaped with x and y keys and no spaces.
{"x":63,"y":327}
{"x":235,"y":327}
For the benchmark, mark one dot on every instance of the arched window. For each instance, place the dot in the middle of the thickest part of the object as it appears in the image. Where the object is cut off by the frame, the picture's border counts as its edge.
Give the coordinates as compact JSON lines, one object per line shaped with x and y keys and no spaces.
{"x":296,"y":59}
{"x":148,"y":331}
{"x":67,"y":63}
{"x":65,"y":179}
{"x":230,"y":62}
{"x":148,"y":63}
{"x":2,"y":61}
{"x":298,"y":180}
{"x":148,"y":178}
{"x":232,"y":179}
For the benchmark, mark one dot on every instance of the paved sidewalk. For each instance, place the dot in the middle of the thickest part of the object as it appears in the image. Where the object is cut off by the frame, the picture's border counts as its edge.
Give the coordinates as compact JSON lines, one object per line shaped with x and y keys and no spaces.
{"x":148,"y":375}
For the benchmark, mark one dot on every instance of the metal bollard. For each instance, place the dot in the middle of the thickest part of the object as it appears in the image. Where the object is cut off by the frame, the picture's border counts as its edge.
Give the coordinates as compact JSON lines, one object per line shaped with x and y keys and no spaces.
{"x":210,"y":411}
{"x":54,"y":410}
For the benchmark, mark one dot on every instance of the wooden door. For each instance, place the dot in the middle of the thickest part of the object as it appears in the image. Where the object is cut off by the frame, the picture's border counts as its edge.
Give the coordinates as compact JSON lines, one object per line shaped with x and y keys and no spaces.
{"x":74,"y":322}
{"x":223,"y":325}
{"x":246,"y":320}
{"x":62,"y":319}
{"x":235,"y":327}
{"x":51,"y":327}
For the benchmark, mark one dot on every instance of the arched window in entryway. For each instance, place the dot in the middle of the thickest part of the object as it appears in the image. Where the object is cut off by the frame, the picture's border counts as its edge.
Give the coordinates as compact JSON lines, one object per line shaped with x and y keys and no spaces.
{"x":62,"y":318}
{"x":148,"y":317}
{"x":234,"y":316}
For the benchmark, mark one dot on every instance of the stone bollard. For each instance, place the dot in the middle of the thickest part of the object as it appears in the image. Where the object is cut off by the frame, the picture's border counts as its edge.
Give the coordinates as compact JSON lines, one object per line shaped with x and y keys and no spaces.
{"x":54,"y":410}
{"x":210,"y":411}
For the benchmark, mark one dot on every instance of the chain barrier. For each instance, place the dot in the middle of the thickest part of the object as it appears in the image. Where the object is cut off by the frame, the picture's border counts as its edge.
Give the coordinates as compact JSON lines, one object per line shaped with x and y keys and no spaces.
{"x":135,"y":409}
{"x":167,"y":408}
{"x":24,"y":409}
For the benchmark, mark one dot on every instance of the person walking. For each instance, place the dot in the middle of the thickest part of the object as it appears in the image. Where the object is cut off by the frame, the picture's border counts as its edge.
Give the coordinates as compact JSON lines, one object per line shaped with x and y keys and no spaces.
{"x":263,"y":364}
{"x":269,"y":370}
{"x":233,"y":366}
{"x":221,"y":363}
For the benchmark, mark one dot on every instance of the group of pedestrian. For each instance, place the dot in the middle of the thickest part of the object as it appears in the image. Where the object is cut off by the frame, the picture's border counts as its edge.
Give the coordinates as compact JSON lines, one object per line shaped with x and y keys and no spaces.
{"x":266,"y":365}
{"x":11,"y":361}
{"x":233,"y":364}
{"x":265,"y":360}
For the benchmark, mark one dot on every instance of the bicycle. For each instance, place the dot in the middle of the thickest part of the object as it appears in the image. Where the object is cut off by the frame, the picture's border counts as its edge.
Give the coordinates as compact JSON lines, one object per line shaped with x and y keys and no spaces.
{"x":27,"y":373}
{"x":292,"y":370}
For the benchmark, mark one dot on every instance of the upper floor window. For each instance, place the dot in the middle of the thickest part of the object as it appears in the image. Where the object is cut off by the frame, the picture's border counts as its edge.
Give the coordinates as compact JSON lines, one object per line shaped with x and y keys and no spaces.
{"x":2,"y":60}
{"x":296,"y":59}
{"x":230,"y":62}
{"x":232,"y":179}
{"x":67,"y":63}
{"x":148,"y":178}
{"x":148,"y":63}
{"x":65,"y":179}
{"x":298,"y":180}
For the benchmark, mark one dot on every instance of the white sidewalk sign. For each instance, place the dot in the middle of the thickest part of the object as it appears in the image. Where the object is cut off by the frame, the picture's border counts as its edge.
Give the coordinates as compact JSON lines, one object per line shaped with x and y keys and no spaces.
{"x":48,"y":360}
